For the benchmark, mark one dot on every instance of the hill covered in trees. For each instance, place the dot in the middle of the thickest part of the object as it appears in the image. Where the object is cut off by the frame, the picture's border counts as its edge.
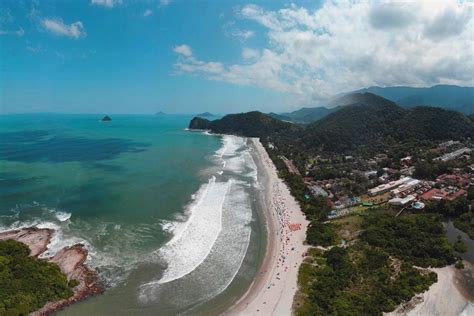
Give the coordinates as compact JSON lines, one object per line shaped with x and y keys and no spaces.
{"x":304,"y":115}
{"x":251,"y":124}
{"x":374,"y":119}
{"x":370,"y":120}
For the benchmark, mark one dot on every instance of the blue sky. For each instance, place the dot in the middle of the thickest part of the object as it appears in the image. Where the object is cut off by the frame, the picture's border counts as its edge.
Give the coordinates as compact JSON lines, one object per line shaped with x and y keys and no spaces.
{"x":109,"y":56}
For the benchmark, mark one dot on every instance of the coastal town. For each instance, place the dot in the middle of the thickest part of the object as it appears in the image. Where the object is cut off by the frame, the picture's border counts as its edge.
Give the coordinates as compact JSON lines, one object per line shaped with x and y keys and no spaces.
{"x":347,"y":192}
{"x":388,"y":180}
{"x":237,"y":158}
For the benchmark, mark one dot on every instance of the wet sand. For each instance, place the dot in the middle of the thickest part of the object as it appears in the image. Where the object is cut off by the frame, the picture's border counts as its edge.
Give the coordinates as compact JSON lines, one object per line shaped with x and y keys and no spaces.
{"x":275,"y":285}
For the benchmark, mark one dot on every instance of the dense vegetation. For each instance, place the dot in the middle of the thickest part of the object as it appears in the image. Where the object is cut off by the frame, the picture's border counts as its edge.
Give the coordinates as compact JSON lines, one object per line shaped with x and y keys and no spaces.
{"x":319,"y":234}
{"x":458,"y":211}
{"x":251,"y":124}
{"x":371,"y":120}
{"x":417,"y":239}
{"x":28,"y":283}
{"x":377,"y":120}
{"x":358,"y":280}
{"x":304,"y":115}
{"x":376,"y":273}
{"x":465,"y":222}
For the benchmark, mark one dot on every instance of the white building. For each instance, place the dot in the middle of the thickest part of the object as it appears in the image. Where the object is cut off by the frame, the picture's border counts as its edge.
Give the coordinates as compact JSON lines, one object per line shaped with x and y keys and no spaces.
{"x":383,"y":188}
{"x":402,"y":201}
{"x":453,"y":155}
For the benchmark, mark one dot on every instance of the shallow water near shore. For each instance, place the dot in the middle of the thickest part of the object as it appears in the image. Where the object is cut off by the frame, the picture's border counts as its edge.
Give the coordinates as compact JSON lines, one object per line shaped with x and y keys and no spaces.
{"x":170,"y":217}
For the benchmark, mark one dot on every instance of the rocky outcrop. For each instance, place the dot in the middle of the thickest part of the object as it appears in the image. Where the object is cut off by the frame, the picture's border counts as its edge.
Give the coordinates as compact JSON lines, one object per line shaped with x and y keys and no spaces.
{"x":199,"y":123}
{"x":37,"y":239}
{"x":71,"y":261}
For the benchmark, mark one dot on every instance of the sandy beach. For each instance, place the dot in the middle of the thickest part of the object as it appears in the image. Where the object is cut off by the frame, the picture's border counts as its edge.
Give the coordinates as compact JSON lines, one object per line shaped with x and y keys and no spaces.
{"x":444,"y":298}
{"x":275,"y":285}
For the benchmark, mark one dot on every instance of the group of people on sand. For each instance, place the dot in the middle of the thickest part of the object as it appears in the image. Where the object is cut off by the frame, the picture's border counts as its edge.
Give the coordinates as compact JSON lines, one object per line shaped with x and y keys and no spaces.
{"x":284,"y":229}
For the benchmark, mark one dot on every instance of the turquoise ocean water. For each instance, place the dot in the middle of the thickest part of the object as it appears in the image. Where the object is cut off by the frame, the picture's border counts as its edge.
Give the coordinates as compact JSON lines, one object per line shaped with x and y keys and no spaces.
{"x":170,"y":216}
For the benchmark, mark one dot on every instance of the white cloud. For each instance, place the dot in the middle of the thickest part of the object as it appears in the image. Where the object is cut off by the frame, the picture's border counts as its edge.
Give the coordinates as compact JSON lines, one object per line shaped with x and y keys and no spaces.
{"x":231,"y":30}
{"x":164,"y":3}
{"x":243,"y":34}
{"x":348,"y":45}
{"x":57,"y":26}
{"x":20,"y":32}
{"x":147,"y":12}
{"x":392,"y":15}
{"x":106,"y":3}
{"x":249,"y":53}
{"x":184,"y":50}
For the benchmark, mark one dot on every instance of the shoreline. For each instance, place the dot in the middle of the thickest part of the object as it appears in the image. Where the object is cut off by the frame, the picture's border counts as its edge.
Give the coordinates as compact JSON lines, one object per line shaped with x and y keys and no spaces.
{"x":273,"y":288}
{"x":71,"y":260}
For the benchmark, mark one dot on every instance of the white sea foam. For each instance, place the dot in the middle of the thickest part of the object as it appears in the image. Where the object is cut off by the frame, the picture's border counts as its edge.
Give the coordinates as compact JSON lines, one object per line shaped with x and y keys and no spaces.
{"x":216,"y":272}
{"x":169,"y":226}
{"x":63,"y":216}
{"x":193,"y":239}
{"x":210,"y":245}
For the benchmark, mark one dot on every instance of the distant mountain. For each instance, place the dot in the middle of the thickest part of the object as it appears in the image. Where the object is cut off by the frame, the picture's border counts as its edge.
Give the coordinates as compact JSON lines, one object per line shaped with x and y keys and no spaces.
{"x":369,"y":122}
{"x":160,"y":113}
{"x":106,"y":119}
{"x":374,"y":119}
{"x":309,"y":115}
{"x":250,"y":124}
{"x":304,"y":115}
{"x":450,"y":97}
{"x":205,"y":114}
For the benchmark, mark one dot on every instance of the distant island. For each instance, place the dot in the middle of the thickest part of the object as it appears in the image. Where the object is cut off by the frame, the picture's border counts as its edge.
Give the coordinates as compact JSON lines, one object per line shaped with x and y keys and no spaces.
{"x":160,"y":113}
{"x":205,"y":114}
{"x":106,"y":119}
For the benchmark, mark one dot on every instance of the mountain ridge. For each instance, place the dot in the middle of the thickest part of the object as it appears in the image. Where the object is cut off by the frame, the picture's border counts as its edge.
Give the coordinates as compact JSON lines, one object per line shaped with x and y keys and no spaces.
{"x":371,"y":119}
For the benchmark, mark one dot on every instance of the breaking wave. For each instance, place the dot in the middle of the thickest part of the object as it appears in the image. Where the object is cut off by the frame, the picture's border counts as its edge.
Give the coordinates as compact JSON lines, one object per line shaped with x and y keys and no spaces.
{"x":193,"y":239}
{"x":210,"y":246}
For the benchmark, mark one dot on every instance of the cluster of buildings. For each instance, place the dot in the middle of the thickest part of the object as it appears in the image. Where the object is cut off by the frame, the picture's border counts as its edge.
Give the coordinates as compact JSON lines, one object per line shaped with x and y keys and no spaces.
{"x":415,"y":193}
{"x":449,"y":187}
{"x":389,"y":181}
{"x":462,"y":152}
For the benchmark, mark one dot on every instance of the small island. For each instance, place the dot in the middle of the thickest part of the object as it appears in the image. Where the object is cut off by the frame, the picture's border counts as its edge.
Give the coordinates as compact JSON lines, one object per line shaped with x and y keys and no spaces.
{"x":205,"y":114}
{"x":106,"y":119}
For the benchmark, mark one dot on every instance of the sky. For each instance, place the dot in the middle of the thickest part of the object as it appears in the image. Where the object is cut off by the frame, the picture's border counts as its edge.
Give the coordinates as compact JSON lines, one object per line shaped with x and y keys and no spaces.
{"x":191,"y":56}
